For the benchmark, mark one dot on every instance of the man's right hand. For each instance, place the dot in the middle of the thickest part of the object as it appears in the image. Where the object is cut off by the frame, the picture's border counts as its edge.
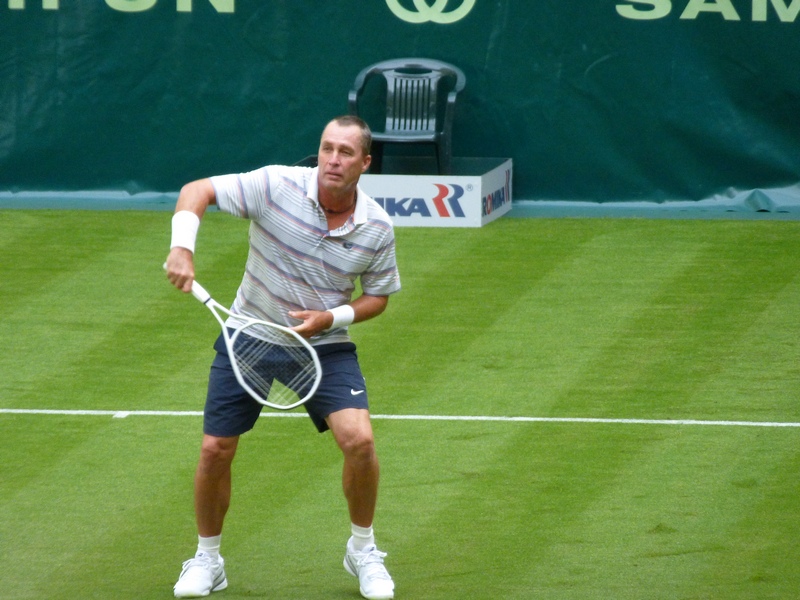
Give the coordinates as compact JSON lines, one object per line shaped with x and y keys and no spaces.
{"x":180,"y":268}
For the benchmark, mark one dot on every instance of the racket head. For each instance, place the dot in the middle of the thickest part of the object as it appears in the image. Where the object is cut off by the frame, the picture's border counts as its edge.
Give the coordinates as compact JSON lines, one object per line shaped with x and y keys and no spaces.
{"x":274,"y":364}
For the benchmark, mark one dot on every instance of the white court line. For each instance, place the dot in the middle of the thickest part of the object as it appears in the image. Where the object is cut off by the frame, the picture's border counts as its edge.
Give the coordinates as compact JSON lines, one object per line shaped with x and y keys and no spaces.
{"x":122,"y":414}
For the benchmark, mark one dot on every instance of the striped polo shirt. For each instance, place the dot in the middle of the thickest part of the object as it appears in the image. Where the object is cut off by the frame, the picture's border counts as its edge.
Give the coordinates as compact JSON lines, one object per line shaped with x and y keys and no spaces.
{"x":295,"y":262}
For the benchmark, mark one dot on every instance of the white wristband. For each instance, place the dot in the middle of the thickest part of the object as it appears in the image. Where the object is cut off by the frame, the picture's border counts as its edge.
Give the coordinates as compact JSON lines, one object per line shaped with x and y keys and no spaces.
{"x":184,"y":230}
{"x":342,"y":315}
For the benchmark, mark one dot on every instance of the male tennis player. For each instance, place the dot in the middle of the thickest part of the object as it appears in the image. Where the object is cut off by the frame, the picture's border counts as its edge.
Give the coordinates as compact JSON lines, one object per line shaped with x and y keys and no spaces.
{"x":313,"y":232}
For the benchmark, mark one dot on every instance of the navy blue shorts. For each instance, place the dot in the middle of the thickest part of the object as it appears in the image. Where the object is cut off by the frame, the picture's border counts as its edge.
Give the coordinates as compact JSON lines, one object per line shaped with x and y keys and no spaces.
{"x":230,"y":411}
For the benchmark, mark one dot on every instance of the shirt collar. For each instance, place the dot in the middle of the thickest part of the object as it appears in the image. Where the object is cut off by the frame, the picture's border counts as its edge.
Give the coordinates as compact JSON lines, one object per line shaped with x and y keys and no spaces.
{"x":360,"y":213}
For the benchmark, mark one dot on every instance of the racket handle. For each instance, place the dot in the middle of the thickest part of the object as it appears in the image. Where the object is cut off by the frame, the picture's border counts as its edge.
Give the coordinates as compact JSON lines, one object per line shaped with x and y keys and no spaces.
{"x":199,"y":292}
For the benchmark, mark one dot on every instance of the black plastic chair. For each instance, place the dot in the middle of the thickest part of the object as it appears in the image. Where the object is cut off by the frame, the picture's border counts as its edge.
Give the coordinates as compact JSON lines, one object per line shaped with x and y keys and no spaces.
{"x":417,"y":109}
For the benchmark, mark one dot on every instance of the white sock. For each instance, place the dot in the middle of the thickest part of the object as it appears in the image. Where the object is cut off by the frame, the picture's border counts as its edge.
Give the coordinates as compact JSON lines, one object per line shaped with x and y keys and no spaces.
{"x":209,"y":545}
{"x":362,"y":537}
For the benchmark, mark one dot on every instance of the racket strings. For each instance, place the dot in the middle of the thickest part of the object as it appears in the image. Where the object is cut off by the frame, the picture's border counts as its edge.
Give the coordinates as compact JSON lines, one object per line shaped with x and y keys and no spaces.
{"x":247,"y":357}
{"x":261,"y":362}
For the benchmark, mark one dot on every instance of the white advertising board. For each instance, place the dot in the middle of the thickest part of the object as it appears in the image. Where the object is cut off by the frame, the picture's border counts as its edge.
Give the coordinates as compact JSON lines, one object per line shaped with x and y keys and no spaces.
{"x":444,"y":200}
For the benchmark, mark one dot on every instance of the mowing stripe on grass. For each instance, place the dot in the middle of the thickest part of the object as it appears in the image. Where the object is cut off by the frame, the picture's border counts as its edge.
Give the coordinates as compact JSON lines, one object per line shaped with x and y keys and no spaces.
{"x":121,"y":414}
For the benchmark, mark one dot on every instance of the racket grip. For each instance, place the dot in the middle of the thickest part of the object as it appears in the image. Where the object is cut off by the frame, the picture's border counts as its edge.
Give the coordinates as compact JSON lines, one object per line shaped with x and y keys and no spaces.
{"x":199,"y":292}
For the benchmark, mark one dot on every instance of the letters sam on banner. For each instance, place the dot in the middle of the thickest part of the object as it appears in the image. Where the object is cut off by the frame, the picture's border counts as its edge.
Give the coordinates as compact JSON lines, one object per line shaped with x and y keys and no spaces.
{"x":443,"y":200}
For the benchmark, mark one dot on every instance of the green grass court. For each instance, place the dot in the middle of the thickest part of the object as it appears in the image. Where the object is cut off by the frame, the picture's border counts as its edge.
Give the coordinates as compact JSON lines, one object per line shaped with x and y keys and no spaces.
{"x":664,"y":322}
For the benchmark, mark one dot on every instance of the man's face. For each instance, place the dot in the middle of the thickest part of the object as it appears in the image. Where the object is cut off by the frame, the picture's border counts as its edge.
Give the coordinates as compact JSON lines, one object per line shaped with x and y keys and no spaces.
{"x":341,"y":159}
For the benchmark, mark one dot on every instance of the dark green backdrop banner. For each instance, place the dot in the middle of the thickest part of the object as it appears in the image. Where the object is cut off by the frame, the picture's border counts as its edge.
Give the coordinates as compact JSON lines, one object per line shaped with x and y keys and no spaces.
{"x":594,"y":100}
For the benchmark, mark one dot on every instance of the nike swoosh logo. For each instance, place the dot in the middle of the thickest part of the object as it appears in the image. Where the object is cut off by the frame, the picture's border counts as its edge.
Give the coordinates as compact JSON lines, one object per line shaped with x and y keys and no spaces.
{"x":356,"y":393}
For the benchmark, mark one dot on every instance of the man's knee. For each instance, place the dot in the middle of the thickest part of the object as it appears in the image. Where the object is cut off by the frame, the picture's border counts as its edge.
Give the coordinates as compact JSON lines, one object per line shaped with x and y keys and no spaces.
{"x":217,"y":452}
{"x":359,"y":445}
{"x":353,"y":433}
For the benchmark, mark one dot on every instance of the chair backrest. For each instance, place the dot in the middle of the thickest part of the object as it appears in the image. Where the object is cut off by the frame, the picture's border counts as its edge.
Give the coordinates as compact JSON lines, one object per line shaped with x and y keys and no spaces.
{"x":411,"y":99}
{"x":413,"y":104}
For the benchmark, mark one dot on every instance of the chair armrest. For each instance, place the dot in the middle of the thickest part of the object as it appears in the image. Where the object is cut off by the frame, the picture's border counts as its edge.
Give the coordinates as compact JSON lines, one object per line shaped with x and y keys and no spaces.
{"x":358,"y":87}
{"x":449,"y":112}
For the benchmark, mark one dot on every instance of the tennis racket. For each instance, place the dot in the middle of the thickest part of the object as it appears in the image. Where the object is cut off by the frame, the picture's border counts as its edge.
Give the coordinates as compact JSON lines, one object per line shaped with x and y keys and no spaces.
{"x":273,"y":364}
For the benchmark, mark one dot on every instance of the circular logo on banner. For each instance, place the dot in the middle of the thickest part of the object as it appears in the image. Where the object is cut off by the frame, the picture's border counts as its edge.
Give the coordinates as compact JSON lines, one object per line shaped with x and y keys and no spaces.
{"x":430,"y":12}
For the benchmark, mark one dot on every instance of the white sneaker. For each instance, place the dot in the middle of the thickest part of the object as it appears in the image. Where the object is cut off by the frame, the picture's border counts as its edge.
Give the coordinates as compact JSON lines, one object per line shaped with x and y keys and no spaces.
{"x":200,"y":576}
{"x":374,"y":580}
